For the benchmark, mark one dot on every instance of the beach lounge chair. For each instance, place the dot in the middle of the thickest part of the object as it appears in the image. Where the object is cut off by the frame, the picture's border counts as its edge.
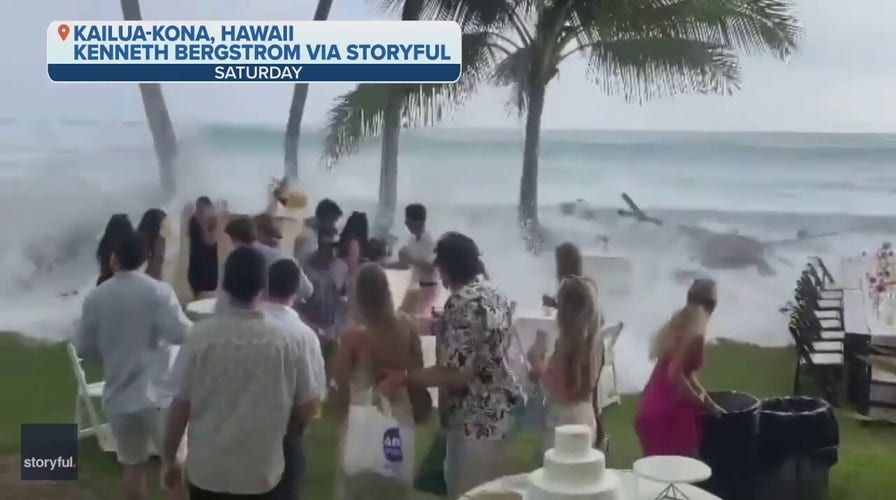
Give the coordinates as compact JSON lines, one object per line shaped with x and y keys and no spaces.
{"x":86,"y":393}
{"x":607,"y":390}
{"x":826,"y":368}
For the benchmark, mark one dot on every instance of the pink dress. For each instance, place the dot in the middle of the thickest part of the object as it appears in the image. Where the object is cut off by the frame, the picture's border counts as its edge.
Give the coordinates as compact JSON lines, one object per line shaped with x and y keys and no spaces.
{"x":666,"y":422}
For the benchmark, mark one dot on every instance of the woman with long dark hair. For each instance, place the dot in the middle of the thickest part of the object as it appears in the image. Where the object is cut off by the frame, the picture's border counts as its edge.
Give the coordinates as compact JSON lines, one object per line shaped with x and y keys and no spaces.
{"x":353,"y":250}
{"x":150,"y":228}
{"x":119,"y":225}
{"x":202,"y":272}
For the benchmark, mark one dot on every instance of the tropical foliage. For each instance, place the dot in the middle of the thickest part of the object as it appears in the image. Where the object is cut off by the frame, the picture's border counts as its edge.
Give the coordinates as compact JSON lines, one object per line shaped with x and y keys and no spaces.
{"x":639,"y":49}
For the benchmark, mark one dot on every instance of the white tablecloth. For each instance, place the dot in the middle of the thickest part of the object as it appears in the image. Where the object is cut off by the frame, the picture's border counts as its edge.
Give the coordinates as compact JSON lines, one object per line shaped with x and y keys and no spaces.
{"x":855,"y":321}
{"x":859,"y":318}
{"x":633,"y":488}
{"x":201,"y":308}
{"x":851,"y":273}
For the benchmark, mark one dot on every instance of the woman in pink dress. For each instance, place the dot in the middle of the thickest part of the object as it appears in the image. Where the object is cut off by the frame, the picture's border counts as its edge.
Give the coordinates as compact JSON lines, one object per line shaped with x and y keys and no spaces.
{"x":670,"y":417}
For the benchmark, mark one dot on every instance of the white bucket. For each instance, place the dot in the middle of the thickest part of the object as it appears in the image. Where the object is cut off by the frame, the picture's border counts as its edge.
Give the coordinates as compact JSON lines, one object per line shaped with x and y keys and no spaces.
{"x":612,"y":274}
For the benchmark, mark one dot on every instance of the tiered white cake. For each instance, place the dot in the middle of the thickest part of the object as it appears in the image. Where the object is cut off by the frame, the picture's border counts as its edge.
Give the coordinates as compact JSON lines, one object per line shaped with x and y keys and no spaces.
{"x":573,"y":470}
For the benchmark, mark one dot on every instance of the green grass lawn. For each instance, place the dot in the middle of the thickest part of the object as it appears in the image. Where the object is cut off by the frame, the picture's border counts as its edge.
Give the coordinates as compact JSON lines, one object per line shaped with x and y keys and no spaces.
{"x":37,"y":387}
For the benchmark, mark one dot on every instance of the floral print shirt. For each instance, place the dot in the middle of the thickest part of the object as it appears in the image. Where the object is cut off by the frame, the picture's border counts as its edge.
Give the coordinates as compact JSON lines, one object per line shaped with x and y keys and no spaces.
{"x":475,"y":335}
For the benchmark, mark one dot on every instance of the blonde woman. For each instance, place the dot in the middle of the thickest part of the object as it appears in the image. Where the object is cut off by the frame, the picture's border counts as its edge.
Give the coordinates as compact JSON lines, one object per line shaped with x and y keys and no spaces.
{"x":384,"y":341}
{"x":670,"y":417}
{"x":569,"y":377}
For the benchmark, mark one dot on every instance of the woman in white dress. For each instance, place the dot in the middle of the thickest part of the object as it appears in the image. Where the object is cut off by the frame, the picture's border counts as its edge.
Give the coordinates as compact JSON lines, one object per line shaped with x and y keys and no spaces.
{"x":569,"y":376}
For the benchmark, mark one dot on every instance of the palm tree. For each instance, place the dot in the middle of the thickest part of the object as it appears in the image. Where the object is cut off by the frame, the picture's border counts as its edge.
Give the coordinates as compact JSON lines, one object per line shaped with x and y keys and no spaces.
{"x":373,"y":109}
{"x":163,"y":138}
{"x":642,"y":49}
{"x":297,"y":109}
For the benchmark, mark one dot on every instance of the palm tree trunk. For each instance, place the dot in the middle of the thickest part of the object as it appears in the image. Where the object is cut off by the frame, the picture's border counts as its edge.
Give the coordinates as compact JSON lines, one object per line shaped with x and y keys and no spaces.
{"x":163,"y":137}
{"x":528,"y":207}
{"x":297,"y":109}
{"x":385,"y":217}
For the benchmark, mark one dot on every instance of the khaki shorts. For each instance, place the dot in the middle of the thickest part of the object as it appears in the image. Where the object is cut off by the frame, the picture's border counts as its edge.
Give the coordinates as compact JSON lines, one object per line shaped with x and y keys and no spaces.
{"x":139,"y":436}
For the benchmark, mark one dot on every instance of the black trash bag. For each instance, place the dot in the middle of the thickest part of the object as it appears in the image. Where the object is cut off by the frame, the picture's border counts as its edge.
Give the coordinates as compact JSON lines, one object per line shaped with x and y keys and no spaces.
{"x":729,"y":445}
{"x":801,"y":426}
{"x":430,"y":476}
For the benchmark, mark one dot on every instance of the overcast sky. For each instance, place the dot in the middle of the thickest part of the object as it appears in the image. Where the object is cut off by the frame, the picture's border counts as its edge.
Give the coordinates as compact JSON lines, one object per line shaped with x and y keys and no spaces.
{"x":843,"y":80}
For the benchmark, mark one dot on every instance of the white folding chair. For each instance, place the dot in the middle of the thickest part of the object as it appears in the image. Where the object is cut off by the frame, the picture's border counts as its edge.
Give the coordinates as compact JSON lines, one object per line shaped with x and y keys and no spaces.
{"x":84,"y":403}
{"x":607,"y":391}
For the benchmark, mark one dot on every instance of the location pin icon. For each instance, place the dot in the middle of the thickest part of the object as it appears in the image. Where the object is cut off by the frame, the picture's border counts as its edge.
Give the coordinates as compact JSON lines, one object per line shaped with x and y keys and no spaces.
{"x":63,"y":31}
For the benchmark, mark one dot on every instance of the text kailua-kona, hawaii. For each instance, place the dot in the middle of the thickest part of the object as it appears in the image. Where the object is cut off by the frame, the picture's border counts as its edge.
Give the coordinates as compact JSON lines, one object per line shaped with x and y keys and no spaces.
{"x":245,"y":47}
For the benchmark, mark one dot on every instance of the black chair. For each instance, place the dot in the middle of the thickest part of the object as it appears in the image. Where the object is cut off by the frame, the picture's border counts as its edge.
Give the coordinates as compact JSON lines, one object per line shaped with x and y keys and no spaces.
{"x":828,"y":279}
{"x":827,"y":329}
{"x":824,"y":291}
{"x":824,"y":308}
{"x":825,"y":368}
{"x":814,"y":339}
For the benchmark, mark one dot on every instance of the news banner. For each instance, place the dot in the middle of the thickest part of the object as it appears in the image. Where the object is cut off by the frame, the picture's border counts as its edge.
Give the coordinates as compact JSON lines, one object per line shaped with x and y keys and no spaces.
{"x":254,"y":51}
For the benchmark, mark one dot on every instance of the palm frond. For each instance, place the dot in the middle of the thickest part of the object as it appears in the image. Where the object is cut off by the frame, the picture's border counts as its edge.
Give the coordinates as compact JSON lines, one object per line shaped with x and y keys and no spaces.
{"x":513,"y":71}
{"x":357,"y":116}
{"x":751,"y":26}
{"x":648,"y":68}
{"x":476,"y":14}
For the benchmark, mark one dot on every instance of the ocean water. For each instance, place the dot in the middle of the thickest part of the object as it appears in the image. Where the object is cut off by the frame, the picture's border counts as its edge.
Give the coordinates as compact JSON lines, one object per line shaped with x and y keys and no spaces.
{"x":59,"y":182}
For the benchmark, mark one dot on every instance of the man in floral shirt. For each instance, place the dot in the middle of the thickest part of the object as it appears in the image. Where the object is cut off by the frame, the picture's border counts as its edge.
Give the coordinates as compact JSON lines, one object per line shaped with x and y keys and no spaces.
{"x":477,"y":390}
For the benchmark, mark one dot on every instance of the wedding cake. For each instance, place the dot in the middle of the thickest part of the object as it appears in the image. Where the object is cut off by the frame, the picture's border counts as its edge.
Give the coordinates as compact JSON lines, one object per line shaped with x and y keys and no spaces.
{"x":573,"y":470}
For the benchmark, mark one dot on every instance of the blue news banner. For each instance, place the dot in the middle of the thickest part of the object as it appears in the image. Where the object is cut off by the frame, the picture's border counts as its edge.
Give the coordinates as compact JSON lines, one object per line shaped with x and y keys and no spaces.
{"x":180,"y":51}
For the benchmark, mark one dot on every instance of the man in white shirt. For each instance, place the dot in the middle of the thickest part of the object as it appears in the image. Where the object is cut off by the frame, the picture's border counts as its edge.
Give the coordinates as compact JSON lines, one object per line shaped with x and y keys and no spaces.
{"x":283,"y":286}
{"x":243,"y":380}
{"x":418,"y":254}
{"x":130,"y":323}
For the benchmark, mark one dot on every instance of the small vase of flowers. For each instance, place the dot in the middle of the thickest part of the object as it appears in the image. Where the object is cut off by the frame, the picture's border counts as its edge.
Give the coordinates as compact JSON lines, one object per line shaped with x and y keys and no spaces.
{"x":880,"y":279}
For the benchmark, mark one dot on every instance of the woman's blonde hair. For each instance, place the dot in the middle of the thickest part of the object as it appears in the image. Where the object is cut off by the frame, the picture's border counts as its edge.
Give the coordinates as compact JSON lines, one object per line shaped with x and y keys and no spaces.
{"x":373,"y":299}
{"x":701,"y":301}
{"x":569,"y":260}
{"x":577,"y":323}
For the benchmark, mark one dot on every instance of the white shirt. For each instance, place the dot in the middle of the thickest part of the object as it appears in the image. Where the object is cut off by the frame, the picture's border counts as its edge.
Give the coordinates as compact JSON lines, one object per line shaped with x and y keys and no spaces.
{"x":422,"y":248}
{"x":242,"y":374}
{"x":310,"y":346}
{"x":130,"y":322}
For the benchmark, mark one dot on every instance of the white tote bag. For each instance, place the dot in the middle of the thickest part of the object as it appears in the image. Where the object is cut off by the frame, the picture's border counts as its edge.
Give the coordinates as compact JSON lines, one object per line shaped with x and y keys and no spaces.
{"x":375,"y":442}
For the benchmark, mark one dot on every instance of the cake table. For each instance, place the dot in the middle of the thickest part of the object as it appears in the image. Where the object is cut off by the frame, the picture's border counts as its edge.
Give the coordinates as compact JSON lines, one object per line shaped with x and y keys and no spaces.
{"x":633,"y":488}
{"x":673,"y":471}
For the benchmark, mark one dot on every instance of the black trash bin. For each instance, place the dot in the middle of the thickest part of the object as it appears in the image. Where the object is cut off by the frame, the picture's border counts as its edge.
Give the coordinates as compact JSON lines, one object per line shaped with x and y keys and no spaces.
{"x":729,"y":446}
{"x":798,"y":444}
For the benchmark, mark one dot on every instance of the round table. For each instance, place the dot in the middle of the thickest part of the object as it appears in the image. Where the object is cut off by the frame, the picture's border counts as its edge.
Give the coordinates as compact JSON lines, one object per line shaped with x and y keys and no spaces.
{"x":202,"y":308}
{"x":672,"y":471}
{"x":632,"y":488}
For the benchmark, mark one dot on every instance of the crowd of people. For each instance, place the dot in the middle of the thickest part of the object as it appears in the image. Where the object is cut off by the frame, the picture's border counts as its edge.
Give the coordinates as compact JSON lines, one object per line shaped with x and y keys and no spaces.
{"x":227,"y":410}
